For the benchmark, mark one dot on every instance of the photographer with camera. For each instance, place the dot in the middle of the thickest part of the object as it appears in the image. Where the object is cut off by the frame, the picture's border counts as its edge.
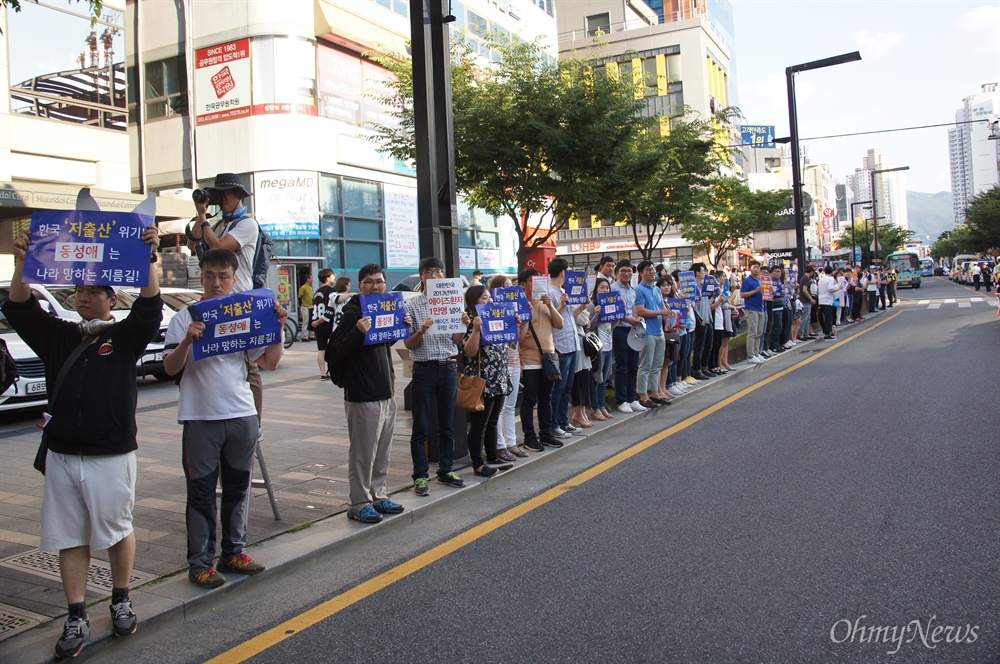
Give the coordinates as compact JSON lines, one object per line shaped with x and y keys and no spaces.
{"x":237,"y":232}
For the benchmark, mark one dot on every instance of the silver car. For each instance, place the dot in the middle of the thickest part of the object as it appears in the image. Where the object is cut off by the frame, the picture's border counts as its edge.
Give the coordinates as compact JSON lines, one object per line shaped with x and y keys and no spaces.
{"x":28,"y":391}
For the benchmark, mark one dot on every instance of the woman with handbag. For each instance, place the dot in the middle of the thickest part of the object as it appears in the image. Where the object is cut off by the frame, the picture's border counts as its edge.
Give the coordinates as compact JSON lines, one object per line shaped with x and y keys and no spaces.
{"x":582,"y":392}
{"x":602,"y":369}
{"x":487,"y":361}
{"x":537,"y":351}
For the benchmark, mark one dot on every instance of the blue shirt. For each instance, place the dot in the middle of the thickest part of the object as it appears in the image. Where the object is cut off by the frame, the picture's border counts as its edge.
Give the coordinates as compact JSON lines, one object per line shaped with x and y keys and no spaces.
{"x":651,"y":298}
{"x":628,"y":299}
{"x":753,"y":302}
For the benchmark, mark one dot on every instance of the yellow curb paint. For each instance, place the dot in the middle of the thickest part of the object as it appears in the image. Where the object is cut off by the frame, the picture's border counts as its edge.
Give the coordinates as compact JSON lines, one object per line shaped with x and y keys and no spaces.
{"x":320,"y":612}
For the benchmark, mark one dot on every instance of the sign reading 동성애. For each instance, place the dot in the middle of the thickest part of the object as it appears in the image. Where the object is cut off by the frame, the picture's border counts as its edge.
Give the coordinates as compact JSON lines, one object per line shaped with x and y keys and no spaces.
{"x":444,"y":302}
{"x":237,"y":322}
{"x":88,"y":248}
{"x":388,"y":314}
{"x":514,"y":295}
{"x":499,"y":322}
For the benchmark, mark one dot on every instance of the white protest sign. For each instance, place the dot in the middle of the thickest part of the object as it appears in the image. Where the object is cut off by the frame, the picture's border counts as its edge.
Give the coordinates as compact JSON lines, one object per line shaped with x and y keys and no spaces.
{"x":539,"y":287}
{"x":445,"y":303}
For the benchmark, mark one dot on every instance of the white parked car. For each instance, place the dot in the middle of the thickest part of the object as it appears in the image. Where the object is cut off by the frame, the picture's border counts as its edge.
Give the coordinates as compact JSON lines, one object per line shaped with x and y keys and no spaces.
{"x":174,"y":300}
{"x":60,"y":301}
{"x":28,"y":391}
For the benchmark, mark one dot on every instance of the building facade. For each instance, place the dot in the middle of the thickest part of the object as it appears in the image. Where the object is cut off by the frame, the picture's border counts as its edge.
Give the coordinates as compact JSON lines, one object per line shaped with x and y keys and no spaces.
{"x":890,"y":188}
{"x":974,"y":158}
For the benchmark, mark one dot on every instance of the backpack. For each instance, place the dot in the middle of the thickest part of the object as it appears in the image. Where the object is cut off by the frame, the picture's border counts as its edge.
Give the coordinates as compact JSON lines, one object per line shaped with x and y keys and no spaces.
{"x":8,"y":368}
{"x":262,"y":255}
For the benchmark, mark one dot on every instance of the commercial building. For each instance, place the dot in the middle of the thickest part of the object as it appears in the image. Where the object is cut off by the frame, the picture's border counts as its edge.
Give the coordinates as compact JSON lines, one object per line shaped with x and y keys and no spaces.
{"x":890,"y":188}
{"x":686,"y":61}
{"x":974,"y":158}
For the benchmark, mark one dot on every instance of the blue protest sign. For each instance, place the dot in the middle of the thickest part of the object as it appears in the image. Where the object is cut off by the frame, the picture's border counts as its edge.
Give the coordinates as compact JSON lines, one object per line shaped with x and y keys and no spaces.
{"x":680,"y":306}
{"x":687,"y":286}
{"x":516,"y":296}
{"x":237,"y":322}
{"x":576,"y":287}
{"x":710,"y":286}
{"x":387,"y":312}
{"x":612,"y":307}
{"x":499,"y":324}
{"x":88,"y":248}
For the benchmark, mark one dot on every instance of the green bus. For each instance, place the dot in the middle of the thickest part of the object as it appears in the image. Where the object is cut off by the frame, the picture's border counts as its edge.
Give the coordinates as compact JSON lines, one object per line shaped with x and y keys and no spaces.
{"x":907,"y":265}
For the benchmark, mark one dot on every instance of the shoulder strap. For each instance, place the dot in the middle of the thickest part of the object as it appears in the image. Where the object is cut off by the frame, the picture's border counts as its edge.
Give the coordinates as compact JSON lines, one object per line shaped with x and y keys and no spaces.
{"x":70,"y":361}
{"x":537,"y":342}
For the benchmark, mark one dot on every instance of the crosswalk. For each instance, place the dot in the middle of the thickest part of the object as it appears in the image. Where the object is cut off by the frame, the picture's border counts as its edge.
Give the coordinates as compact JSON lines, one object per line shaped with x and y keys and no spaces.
{"x":960,"y":302}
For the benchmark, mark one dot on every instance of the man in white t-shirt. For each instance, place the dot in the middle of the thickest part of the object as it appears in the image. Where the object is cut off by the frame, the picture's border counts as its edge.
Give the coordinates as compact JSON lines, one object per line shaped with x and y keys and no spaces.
{"x":216,"y":409}
{"x":828,"y":290}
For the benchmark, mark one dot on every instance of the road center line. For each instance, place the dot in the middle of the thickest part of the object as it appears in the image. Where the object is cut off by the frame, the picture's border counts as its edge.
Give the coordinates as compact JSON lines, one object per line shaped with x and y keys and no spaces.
{"x":320,"y":612}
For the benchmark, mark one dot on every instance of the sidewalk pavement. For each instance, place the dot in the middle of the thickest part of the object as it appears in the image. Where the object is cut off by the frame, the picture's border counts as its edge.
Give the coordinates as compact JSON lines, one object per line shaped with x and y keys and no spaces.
{"x":305,"y":449}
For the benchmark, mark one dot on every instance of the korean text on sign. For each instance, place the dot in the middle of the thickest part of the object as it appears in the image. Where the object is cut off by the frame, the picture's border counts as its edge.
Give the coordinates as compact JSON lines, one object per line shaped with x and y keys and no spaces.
{"x":514,"y":295}
{"x":765,"y":288}
{"x":445,"y":303}
{"x":540,"y":287}
{"x":687,"y":286}
{"x":237,"y":322}
{"x":88,"y":248}
{"x":499,"y":323}
{"x":679,"y":305}
{"x":576,"y":287}
{"x":388,"y":314}
{"x":612,"y":307}
{"x":710,"y":286}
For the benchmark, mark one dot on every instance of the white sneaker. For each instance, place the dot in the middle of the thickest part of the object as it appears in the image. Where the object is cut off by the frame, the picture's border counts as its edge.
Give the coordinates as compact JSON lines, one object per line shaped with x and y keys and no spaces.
{"x":559,"y":433}
{"x":678,"y":387}
{"x":754,"y":360}
{"x":625,"y":408}
{"x":638,"y":407}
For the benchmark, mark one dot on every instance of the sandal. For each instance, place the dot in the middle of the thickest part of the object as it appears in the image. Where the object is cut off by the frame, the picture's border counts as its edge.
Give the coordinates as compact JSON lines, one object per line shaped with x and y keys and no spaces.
{"x":606,"y":413}
{"x":517,"y":452}
{"x":504,"y":455}
{"x":582,"y":424}
{"x":597,"y":416}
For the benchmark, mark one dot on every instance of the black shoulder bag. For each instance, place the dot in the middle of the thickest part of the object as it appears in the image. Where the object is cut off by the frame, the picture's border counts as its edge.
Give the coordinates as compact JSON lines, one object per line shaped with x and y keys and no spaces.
{"x":550,"y":361}
{"x":43,"y":447}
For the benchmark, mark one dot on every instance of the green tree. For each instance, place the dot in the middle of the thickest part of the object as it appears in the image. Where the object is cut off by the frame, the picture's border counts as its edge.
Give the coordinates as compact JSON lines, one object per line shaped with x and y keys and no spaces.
{"x":532,"y":138}
{"x":659,"y":181}
{"x":890,"y":238}
{"x":732,"y":213}
{"x":982,"y":219}
{"x":96,"y":7}
{"x":951,"y":243}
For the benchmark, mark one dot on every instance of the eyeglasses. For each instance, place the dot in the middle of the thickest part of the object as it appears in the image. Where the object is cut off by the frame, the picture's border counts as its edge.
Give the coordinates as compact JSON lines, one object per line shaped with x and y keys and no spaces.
{"x":433,"y":270}
{"x":369,"y":282}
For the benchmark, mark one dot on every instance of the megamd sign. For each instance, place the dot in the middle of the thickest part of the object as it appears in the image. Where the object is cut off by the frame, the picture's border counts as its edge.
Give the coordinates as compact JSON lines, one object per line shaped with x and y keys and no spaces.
{"x":286,"y":203}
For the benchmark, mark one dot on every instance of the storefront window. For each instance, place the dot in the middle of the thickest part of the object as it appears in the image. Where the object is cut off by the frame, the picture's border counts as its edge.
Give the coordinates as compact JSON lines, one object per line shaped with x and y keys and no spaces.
{"x":362,"y":198}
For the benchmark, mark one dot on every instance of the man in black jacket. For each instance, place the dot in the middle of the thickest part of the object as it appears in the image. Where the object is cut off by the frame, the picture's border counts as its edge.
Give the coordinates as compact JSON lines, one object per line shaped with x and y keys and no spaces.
{"x":90,"y":467}
{"x":369,"y":403}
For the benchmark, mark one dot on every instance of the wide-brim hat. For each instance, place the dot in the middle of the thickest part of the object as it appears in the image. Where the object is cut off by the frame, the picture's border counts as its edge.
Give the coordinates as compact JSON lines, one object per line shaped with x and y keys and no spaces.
{"x":224,"y":181}
{"x":637,"y":337}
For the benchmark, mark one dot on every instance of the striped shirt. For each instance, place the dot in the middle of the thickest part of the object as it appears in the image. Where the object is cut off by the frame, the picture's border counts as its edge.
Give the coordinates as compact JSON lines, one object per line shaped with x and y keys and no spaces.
{"x":432,"y":346}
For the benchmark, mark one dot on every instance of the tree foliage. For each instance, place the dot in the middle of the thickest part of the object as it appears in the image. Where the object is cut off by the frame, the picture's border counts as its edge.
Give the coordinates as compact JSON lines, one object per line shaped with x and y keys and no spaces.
{"x":982,"y":219}
{"x":96,"y":7}
{"x":890,"y":238}
{"x":533,"y":138}
{"x":952,"y":243}
{"x":732,"y":212}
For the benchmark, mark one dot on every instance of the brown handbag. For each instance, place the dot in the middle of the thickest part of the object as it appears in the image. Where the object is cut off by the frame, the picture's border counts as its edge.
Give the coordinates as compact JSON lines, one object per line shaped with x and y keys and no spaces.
{"x":469,"y":395}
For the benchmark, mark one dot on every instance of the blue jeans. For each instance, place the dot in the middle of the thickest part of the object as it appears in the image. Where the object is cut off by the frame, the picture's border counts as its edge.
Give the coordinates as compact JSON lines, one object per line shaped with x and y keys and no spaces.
{"x":626,"y":365}
{"x":601,"y":388}
{"x":433,"y":381}
{"x":561,"y":390}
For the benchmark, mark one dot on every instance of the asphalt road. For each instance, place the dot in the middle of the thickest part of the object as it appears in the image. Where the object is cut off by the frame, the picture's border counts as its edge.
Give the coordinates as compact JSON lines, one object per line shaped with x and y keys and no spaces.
{"x":843,"y":510}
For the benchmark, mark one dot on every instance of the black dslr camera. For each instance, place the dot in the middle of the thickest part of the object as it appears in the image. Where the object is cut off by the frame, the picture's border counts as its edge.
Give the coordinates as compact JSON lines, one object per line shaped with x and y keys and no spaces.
{"x":202,"y":195}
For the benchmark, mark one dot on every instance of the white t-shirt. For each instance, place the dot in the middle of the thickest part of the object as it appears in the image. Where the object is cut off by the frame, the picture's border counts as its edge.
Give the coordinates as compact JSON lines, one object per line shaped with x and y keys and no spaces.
{"x":213,"y":388}
{"x":245,"y":232}
{"x":827,"y":289}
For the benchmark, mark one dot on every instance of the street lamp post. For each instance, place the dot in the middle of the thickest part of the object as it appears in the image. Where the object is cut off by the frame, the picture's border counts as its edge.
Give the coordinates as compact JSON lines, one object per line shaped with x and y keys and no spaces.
{"x":793,"y":122}
{"x":875,"y":205}
{"x":854,"y":205}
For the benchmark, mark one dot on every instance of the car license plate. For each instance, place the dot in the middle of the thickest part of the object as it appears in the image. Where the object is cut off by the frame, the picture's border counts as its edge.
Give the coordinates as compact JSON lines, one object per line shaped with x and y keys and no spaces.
{"x":35,"y":388}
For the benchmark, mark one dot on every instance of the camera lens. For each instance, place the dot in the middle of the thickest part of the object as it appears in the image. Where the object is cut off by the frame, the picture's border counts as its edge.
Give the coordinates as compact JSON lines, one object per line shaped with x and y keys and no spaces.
{"x":199,"y":196}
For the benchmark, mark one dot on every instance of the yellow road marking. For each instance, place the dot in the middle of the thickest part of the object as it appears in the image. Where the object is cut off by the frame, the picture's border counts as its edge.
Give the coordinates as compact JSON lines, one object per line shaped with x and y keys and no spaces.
{"x":320,"y":612}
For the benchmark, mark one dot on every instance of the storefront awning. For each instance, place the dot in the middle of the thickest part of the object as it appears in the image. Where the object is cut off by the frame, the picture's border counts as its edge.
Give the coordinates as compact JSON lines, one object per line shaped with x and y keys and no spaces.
{"x":337,"y":24}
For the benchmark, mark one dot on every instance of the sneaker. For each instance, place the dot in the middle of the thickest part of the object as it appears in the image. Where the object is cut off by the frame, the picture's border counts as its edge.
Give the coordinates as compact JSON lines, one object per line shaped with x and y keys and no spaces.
{"x":420,"y":487}
{"x":638,"y":407}
{"x":560,"y":433}
{"x":551,"y":442}
{"x":570,"y":428}
{"x":123,"y":618}
{"x":206,"y":578}
{"x":486,"y":471}
{"x":387,"y":506}
{"x":532,"y":446}
{"x":241,"y":563}
{"x":451,"y":479}
{"x":832,"y":337}
{"x":625,"y":408}
{"x":75,"y":632}
{"x":367,"y":514}
{"x":690,"y":381}
{"x":753,"y":360}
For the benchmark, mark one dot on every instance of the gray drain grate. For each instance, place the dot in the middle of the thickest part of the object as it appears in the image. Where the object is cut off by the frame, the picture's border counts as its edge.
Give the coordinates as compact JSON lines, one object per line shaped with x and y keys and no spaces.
{"x":45,"y":564}
{"x":14,"y":621}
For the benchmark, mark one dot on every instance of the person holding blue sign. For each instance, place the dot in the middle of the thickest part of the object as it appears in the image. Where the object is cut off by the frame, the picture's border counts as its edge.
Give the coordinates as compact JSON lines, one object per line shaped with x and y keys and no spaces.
{"x":602,"y":363}
{"x":89,"y":436}
{"x":219,"y":439}
{"x":369,"y":402}
{"x":488,"y":361}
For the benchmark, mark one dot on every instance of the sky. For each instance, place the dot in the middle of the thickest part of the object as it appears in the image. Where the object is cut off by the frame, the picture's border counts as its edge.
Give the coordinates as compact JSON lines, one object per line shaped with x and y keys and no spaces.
{"x":920,"y":59}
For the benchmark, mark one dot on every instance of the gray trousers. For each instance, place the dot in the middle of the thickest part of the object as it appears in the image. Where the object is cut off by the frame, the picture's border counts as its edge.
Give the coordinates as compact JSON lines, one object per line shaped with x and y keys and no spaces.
{"x":755,"y":332}
{"x":369,"y":427}
{"x":214,"y":450}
